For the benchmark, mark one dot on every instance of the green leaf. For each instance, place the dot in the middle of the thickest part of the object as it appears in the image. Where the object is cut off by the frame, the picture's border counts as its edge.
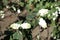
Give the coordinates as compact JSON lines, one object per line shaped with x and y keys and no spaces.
{"x":11,"y":38}
{"x":30,"y":17}
{"x":18,"y":35}
{"x":30,"y":1}
{"x":53,"y":23}
{"x":19,"y":22}
{"x":21,"y":4}
{"x":5,"y":2}
{"x":36,"y":1}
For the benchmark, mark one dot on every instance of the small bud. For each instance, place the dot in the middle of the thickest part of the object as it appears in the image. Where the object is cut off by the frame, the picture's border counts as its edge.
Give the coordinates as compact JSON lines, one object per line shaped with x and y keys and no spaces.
{"x":15,"y":26}
{"x":25,"y":26}
{"x":18,"y":11}
{"x":42,"y":23}
{"x":42,"y":12}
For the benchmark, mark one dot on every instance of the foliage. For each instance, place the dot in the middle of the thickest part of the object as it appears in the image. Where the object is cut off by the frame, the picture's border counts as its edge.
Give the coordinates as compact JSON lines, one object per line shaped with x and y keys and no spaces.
{"x":32,"y":7}
{"x":17,"y":36}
